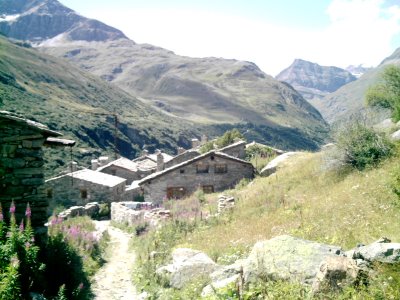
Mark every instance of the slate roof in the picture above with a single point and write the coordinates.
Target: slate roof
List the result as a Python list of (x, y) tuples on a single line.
[(190, 161), (123, 163), (29, 123), (239, 143), (94, 177)]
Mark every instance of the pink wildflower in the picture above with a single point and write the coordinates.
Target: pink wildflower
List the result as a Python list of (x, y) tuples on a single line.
[(28, 211), (21, 226), (12, 207), (1, 214)]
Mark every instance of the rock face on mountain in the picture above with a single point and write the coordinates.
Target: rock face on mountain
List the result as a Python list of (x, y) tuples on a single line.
[(350, 99), (313, 80), (207, 91), (38, 20), (358, 71)]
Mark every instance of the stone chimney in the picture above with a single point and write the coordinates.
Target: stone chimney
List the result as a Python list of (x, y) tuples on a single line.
[(160, 161), (95, 164), (204, 139), (73, 165), (145, 152), (195, 143), (180, 150)]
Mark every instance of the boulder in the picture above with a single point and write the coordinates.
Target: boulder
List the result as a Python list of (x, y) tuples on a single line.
[(187, 265), (336, 273), (382, 251), (287, 258), (396, 136), (224, 276), (274, 164), (92, 209)]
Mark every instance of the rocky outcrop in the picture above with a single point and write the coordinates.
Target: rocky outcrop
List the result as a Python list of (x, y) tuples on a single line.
[(313, 80), (274, 164), (91, 209), (225, 203), (396, 135), (381, 251), (187, 265), (335, 273), (287, 258)]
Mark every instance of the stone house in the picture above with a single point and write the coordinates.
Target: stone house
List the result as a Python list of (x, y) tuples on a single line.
[(124, 168), (182, 157), (21, 166), (84, 186), (237, 149), (212, 171)]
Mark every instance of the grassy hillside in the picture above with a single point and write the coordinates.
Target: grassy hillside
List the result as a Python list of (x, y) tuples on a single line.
[(304, 199), (81, 106), (203, 90), (350, 99)]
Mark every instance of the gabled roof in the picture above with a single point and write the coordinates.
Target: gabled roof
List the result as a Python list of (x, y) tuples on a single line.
[(123, 163), (190, 161), (28, 123), (94, 177)]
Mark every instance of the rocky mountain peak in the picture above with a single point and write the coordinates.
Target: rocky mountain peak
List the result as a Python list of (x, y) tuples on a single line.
[(313, 80), (40, 20)]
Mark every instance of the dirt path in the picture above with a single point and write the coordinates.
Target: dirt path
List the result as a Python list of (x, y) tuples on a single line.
[(113, 280)]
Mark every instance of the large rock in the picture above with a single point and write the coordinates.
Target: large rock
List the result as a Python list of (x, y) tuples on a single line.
[(224, 276), (396, 135), (382, 251), (287, 258), (187, 265), (274, 164), (336, 273)]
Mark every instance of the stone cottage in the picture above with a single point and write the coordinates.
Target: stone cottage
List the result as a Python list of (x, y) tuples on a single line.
[(21, 166), (84, 186), (237, 149), (212, 171), (124, 168)]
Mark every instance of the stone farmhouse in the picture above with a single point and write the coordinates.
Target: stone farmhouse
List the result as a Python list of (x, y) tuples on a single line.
[(237, 149), (125, 168), (21, 165), (213, 171), (84, 186)]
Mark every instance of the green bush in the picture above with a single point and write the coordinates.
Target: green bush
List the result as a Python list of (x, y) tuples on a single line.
[(361, 146)]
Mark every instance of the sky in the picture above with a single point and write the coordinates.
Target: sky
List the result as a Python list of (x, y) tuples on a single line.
[(270, 33)]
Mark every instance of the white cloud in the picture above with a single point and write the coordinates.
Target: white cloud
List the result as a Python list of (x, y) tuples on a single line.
[(360, 31)]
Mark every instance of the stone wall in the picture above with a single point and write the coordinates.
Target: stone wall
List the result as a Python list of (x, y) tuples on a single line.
[(130, 213), (187, 177), (69, 191), (21, 170), (238, 151)]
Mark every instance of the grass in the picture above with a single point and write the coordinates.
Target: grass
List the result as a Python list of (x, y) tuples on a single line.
[(303, 199)]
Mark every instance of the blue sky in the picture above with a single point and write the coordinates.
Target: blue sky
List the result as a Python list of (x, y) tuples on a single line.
[(270, 33)]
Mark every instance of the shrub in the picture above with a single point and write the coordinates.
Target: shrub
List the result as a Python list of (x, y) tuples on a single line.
[(20, 268), (361, 146)]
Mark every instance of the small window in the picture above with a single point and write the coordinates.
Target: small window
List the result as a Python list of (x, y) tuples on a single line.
[(176, 192), (208, 189), (202, 168), (84, 194), (221, 169), (49, 193), (182, 171), (212, 157)]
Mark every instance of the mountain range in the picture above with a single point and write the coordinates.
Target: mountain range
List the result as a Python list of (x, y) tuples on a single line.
[(314, 81), (210, 92)]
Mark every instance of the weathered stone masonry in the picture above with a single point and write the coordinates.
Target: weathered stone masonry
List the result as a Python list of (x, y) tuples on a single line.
[(21, 166)]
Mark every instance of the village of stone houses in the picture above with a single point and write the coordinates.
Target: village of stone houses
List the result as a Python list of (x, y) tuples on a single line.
[(131, 172)]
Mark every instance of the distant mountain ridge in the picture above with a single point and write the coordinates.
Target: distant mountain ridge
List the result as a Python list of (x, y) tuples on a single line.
[(38, 20), (313, 80), (350, 99), (207, 91)]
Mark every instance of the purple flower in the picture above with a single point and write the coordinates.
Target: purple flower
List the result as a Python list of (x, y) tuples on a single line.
[(81, 286), (28, 211), (27, 245), (12, 207), (21, 226), (1, 214)]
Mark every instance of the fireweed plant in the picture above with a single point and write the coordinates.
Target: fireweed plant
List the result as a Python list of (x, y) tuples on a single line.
[(20, 268)]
